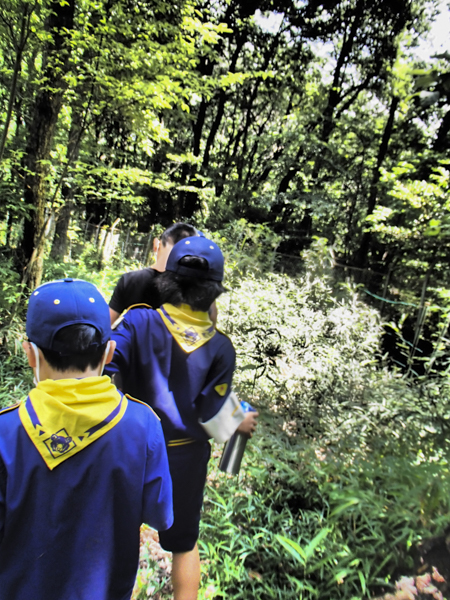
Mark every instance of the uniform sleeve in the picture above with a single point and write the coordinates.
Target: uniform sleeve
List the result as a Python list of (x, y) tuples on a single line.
[(124, 338), (157, 509), (220, 409), (135, 356), (118, 300), (2, 499)]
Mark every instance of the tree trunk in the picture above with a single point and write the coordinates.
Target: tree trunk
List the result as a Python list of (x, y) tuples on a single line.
[(60, 241), (42, 129), (19, 48), (361, 257), (441, 143), (221, 106)]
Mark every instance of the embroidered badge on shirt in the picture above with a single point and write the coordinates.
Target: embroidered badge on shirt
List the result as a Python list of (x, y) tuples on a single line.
[(221, 389), (59, 443)]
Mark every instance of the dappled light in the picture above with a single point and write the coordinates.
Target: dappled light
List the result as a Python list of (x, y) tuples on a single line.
[(310, 141)]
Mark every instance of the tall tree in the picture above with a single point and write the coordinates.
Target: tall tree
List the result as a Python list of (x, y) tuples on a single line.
[(16, 22), (365, 40), (46, 109)]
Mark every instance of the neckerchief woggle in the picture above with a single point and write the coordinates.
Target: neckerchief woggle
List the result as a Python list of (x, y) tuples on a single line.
[(62, 417), (191, 329)]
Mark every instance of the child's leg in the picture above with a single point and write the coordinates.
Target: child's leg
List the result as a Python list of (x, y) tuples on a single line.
[(186, 574), (188, 466)]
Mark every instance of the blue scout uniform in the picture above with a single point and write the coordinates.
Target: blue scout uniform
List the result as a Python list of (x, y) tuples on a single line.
[(81, 467), (175, 360)]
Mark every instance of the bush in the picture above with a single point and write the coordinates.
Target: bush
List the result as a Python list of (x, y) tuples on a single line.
[(350, 466)]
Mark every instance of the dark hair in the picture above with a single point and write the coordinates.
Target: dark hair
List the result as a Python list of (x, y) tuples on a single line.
[(198, 293), (79, 348), (177, 232)]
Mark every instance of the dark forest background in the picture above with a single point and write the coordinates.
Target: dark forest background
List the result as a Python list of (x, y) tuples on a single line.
[(312, 143), (311, 119)]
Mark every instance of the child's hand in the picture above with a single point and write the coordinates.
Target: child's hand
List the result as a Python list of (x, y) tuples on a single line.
[(249, 424)]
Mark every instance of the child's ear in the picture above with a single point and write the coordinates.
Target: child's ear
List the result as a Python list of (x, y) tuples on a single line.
[(110, 351), (156, 244), (30, 354)]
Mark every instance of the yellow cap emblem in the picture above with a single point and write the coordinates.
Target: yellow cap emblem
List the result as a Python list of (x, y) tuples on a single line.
[(221, 389)]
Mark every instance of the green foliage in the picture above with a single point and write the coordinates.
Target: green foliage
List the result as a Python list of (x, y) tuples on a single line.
[(350, 466), (15, 376), (248, 249), (87, 265), (423, 206), (307, 520), (11, 289)]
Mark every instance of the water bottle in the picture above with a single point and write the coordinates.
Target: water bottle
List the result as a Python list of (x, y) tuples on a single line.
[(234, 448)]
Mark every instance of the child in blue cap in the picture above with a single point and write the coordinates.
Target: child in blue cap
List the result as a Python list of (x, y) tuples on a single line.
[(81, 465), (174, 359)]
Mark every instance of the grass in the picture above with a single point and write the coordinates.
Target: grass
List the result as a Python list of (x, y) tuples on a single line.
[(349, 470)]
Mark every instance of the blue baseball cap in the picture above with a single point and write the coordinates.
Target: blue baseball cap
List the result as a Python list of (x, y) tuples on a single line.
[(57, 304), (199, 247)]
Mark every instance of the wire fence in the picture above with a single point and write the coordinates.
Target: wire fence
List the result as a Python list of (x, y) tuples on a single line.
[(381, 287), (123, 244)]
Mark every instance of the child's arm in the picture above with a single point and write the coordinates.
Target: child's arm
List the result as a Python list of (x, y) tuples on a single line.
[(157, 508), (221, 413), (228, 418), (124, 336), (2, 498)]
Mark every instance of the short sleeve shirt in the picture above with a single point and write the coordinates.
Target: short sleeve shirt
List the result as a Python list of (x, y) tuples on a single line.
[(136, 287), (183, 388), (73, 532)]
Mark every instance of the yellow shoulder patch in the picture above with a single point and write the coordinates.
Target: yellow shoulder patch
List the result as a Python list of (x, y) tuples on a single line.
[(221, 389)]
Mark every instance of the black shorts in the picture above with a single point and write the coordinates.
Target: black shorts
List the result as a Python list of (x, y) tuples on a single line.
[(188, 465)]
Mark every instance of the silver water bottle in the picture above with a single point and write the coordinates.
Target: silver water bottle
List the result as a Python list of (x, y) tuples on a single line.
[(234, 448)]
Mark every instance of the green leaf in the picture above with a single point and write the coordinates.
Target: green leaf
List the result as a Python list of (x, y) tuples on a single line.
[(294, 549), (316, 541), (340, 509)]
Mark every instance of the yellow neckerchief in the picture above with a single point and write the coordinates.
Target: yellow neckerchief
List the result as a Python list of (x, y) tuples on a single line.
[(191, 329), (64, 416)]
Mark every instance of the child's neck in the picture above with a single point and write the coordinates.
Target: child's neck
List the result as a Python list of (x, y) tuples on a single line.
[(46, 372)]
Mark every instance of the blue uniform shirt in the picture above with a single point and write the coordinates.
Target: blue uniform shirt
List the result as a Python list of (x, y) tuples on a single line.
[(185, 388), (72, 533)]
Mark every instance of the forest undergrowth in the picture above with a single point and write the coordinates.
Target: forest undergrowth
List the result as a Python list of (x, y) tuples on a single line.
[(344, 491)]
